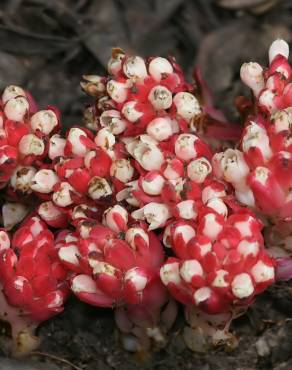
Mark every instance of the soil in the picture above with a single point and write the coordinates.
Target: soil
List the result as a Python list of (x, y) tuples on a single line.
[(46, 46)]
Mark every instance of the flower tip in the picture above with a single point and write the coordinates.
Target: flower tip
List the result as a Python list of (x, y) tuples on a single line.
[(279, 46)]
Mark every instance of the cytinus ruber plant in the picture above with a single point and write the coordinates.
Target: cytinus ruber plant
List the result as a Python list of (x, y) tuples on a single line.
[(261, 169), (108, 196), (116, 264), (33, 283)]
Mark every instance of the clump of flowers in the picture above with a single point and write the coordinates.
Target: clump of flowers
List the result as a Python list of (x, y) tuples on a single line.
[(141, 176), (33, 282), (116, 264), (261, 169)]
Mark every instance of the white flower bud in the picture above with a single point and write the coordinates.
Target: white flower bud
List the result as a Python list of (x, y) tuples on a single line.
[(185, 147), (156, 214), (44, 181), (44, 120), (122, 170), (114, 65), (279, 46), (187, 232), (105, 139), (266, 99), (16, 108), (256, 137), (137, 278), (78, 148), (187, 209), (22, 177), (262, 272), (189, 269), (212, 227), (160, 128), (246, 248), (218, 205), (202, 295), (252, 75), (187, 105), (56, 146), (219, 281), (199, 169), (110, 218), (132, 233), (12, 92), (282, 120), (169, 273), (130, 112), (117, 91), (98, 188), (62, 197), (210, 192), (4, 241), (48, 211), (13, 213), (31, 145), (112, 120), (158, 67), (135, 67), (242, 286), (152, 183), (160, 97), (232, 166)]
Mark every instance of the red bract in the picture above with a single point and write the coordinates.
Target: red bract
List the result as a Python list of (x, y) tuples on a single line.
[(116, 264), (32, 278), (261, 172)]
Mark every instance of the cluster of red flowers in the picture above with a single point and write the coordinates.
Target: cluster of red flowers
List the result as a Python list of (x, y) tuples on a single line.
[(108, 198)]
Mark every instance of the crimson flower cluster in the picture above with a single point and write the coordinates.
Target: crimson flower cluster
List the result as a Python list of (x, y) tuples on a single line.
[(134, 211)]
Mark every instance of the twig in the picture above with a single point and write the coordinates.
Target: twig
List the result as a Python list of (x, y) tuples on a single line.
[(56, 358)]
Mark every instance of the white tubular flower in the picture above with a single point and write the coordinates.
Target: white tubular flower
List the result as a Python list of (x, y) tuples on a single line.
[(218, 205), (98, 188), (44, 120), (158, 67), (118, 91), (187, 209), (114, 65), (132, 233), (152, 183), (242, 286), (135, 67), (252, 75), (13, 213), (185, 147), (257, 137), (31, 145), (186, 231), (112, 120), (22, 178), (145, 150), (115, 218), (231, 166), (187, 105), (56, 146), (16, 108), (266, 99), (169, 273), (105, 139), (282, 120), (156, 214), (78, 148), (199, 169), (12, 92), (122, 170), (160, 97), (279, 46), (160, 128), (130, 112), (62, 197), (44, 181), (189, 269)]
